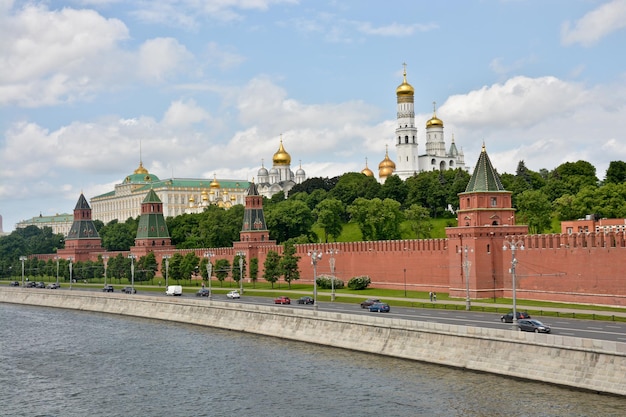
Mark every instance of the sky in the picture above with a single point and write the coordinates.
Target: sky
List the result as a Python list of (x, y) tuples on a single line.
[(193, 89)]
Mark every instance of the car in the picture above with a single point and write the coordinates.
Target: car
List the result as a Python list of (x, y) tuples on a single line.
[(53, 286), (531, 325), (108, 288), (369, 302), (14, 284), (508, 317), (40, 284), (306, 300), (380, 307), (30, 284), (282, 300), (203, 292), (129, 290), (233, 294)]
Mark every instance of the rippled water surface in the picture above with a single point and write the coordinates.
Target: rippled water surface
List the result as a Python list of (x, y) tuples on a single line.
[(57, 362)]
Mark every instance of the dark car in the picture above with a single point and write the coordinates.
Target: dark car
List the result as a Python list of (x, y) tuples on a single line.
[(108, 288), (30, 284), (53, 286), (282, 300), (527, 325), (306, 300), (380, 307), (203, 292), (508, 317), (14, 284), (369, 302), (40, 284), (129, 290)]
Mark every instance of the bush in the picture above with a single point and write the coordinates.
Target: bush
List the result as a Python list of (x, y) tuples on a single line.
[(359, 283), (325, 282)]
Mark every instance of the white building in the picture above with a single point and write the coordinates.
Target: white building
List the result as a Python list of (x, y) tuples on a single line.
[(280, 177)]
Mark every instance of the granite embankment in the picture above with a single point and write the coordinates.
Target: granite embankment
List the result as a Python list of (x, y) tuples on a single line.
[(580, 363)]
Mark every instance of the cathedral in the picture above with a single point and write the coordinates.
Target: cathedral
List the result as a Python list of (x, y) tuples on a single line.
[(280, 177), (409, 160)]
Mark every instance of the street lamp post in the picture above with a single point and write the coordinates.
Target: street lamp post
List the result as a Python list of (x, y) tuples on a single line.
[(209, 270), (105, 258), (332, 253), (132, 257), (57, 258), (70, 259), (466, 267), (513, 245), (241, 256), (405, 282), (167, 268), (23, 258), (315, 256)]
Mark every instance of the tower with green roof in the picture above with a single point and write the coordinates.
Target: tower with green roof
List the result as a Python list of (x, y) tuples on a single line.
[(152, 233), (485, 218), (83, 238)]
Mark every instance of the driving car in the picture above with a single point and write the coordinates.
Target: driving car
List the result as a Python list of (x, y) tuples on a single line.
[(233, 294), (282, 300), (203, 292), (306, 300), (53, 286), (14, 284), (380, 307), (369, 302), (108, 288), (30, 284), (508, 317), (528, 325), (40, 284), (129, 290)]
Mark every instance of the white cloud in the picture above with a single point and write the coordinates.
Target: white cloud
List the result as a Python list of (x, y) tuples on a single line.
[(595, 25), (184, 113), (394, 29), (161, 57)]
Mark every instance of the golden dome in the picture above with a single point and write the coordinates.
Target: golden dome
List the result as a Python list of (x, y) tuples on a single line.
[(214, 183), (205, 195), (140, 169), (434, 121), (386, 166), (281, 157), (366, 170), (405, 89), (191, 199)]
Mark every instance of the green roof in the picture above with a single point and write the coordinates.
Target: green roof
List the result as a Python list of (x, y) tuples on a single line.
[(485, 178)]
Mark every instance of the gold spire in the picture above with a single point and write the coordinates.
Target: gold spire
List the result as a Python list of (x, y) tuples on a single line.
[(141, 169), (281, 157), (214, 183), (386, 166), (434, 121), (405, 89), (366, 170)]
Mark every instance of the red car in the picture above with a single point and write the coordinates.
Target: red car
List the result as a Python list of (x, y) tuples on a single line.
[(282, 300)]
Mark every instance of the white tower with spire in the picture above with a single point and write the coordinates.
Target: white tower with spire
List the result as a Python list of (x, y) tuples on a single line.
[(407, 163)]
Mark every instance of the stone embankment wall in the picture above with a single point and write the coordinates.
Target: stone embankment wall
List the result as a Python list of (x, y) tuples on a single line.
[(580, 363)]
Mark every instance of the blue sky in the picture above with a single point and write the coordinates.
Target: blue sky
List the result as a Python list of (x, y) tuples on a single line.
[(208, 87)]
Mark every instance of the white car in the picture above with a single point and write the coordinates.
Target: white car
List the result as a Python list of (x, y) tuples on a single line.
[(233, 294)]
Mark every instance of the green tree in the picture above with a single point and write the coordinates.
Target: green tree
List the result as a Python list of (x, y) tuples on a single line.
[(288, 264), (271, 267), (378, 219), (616, 173), (119, 236), (290, 218), (535, 210), (254, 271), (146, 268), (428, 189), (353, 185), (176, 270), (329, 214), (419, 220), (395, 189), (222, 267), (238, 273)]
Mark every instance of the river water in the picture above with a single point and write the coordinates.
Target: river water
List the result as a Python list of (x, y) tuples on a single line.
[(66, 363)]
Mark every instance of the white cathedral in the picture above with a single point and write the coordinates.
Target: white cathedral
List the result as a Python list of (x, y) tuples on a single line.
[(409, 160), (280, 177)]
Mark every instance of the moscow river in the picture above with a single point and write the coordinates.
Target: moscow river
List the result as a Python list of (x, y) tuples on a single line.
[(65, 363)]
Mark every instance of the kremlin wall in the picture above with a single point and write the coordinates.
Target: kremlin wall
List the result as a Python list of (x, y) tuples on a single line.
[(477, 257)]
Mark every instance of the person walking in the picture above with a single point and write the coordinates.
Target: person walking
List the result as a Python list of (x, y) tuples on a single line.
[(430, 294), (434, 297)]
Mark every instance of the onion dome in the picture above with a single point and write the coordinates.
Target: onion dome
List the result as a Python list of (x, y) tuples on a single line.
[(191, 199), (405, 89), (140, 169), (366, 170), (281, 157), (205, 195), (262, 171), (386, 166), (300, 171), (214, 183), (434, 121)]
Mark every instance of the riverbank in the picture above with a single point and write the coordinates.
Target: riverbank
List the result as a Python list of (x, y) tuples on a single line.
[(587, 364)]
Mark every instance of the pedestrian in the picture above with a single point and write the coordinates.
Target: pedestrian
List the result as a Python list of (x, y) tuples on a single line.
[(435, 297), (430, 294)]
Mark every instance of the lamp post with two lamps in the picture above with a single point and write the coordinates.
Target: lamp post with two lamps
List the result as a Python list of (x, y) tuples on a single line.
[(23, 258), (241, 256), (71, 260), (466, 267), (105, 260), (166, 258), (332, 253), (132, 257), (315, 255), (209, 270), (513, 244), (57, 259)]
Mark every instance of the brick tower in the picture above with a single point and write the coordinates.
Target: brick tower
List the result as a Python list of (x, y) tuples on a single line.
[(254, 232), (83, 237), (152, 233), (485, 217)]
